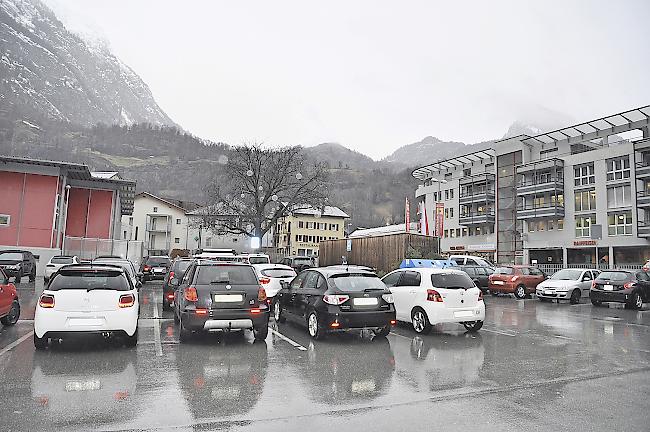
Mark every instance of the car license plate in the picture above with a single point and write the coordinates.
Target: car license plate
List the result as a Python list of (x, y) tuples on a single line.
[(549, 292), (608, 288), (365, 301), (228, 298), (83, 385), (463, 314), (159, 270), (498, 282), (81, 322)]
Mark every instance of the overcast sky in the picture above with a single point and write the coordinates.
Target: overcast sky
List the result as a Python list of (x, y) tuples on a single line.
[(375, 75)]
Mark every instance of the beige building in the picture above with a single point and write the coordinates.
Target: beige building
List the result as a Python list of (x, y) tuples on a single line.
[(300, 232)]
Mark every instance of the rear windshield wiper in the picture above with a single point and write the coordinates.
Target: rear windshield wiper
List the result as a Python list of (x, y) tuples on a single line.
[(97, 288), (456, 287), (373, 289), (220, 282)]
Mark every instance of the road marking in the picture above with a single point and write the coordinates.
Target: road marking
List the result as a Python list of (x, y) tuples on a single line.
[(25, 320), (562, 337), (286, 339), (402, 336), (499, 332), (156, 331), (15, 344)]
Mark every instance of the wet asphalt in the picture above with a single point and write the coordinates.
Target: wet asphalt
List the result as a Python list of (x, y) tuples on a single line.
[(534, 366)]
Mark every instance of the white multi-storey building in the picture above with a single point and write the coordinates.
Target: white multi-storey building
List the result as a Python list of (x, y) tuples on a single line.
[(544, 199)]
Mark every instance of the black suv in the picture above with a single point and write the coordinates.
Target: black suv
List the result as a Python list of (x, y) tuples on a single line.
[(154, 267), (18, 263), (298, 263), (480, 275), (336, 298), (176, 271), (220, 296), (621, 286)]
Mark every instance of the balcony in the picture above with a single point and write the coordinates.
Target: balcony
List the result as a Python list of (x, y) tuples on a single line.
[(552, 164), (642, 170), (159, 227), (537, 186), (550, 210), (643, 229), (480, 196), (477, 218), (477, 178), (643, 199)]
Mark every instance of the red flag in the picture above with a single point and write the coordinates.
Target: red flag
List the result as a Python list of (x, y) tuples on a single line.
[(407, 216)]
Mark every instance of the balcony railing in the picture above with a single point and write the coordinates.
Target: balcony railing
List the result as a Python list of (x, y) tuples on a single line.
[(534, 211), (549, 164), (643, 229), (484, 195), (528, 187), (159, 227), (477, 178), (476, 218), (642, 169), (643, 199)]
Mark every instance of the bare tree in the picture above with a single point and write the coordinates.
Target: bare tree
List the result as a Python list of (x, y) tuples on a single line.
[(259, 186)]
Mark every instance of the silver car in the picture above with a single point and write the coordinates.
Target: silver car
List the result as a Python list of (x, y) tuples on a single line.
[(567, 284)]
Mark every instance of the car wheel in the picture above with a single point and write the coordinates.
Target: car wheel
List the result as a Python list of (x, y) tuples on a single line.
[(420, 321), (382, 332), (12, 317), (636, 302), (166, 306), (494, 293), (17, 278), (40, 343), (132, 341), (176, 319), (185, 334), (260, 333), (596, 302), (314, 329), (520, 292), (575, 296), (277, 312), (32, 276), (473, 326)]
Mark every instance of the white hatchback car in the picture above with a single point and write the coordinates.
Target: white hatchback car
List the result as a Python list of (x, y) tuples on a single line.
[(56, 262), (87, 299), (428, 296), (271, 276)]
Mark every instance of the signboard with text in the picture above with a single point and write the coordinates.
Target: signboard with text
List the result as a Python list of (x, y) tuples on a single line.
[(440, 218)]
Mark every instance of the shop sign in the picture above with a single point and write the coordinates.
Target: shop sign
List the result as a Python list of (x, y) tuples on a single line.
[(482, 247), (585, 242), (440, 218), (456, 248)]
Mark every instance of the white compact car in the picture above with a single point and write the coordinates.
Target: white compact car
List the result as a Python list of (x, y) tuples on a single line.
[(567, 284), (271, 276), (254, 259), (56, 262), (91, 299), (428, 296)]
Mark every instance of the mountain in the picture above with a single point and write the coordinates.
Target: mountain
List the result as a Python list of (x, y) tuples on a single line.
[(338, 156), (47, 71), (429, 150)]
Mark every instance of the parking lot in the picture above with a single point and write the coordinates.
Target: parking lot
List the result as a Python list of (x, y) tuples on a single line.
[(533, 366)]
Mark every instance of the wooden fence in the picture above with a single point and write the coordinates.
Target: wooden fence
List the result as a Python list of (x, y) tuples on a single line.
[(383, 253)]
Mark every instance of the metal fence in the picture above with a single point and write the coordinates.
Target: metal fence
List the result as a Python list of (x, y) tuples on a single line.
[(549, 269), (91, 248)]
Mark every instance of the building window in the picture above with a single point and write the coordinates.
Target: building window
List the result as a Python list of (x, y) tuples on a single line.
[(131, 221), (208, 242), (584, 175), (448, 175), (446, 213), (583, 225), (545, 153), (155, 209), (451, 194), (5, 220), (618, 168), (301, 224), (619, 223), (447, 194), (467, 172), (619, 196), (177, 240), (560, 224), (585, 200), (451, 212), (178, 221), (124, 235)]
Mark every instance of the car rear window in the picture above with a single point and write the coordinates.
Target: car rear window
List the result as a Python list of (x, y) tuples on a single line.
[(302, 261), (357, 282), (504, 270), (279, 273), (11, 256), (258, 260), (219, 274), (158, 262), (89, 280), (451, 281), (614, 276), (181, 266), (61, 260)]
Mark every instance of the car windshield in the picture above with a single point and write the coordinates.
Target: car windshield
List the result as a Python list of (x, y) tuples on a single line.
[(451, 281), (225, 274), (357, 282), (614, 276), (279, 273), (162, 261), (504, 270), (180, 266), (89, 281), (483, 262), (61, 260), (259, 260), (11, 256), (567, 274)]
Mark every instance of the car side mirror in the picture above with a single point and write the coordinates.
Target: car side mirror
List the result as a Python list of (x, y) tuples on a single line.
[(174, 282), (36, 257), (138, 284), (284, 284)]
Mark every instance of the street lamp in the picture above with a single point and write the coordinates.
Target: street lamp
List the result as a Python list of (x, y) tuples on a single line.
[(65, 218)]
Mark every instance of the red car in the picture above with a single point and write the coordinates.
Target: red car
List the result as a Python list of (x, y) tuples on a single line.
[(9, 306), (519, 280)]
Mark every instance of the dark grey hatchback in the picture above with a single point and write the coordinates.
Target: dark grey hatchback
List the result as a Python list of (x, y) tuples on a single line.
[(337, 298), (220, 296)]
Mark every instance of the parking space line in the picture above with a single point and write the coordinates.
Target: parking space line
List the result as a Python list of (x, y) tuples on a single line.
[(15, 344), (402, 336), (498, 332), (289, 341), (156, 331)]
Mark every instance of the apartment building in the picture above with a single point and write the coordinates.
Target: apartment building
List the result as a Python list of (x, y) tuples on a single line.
[(577, 195), (302, 229)]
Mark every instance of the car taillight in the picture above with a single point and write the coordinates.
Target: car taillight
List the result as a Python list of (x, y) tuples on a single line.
[(480, 296), (629, 285), (514, 278), (46, 301), (393, 322), (170, 296), (593, 284), (201, 311), (191, 295), (261, 295), (335, 299), (256, 310), (265, 280), (171, 276), (434, 296), (146, 268), (388, 298), (126, 300)]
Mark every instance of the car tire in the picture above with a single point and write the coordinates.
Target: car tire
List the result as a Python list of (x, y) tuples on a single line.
[(420, 321), (40, 343), (277, 312), (176, 319), (636, 301), (382, 332), (184, 334), (132, 341), (17, 278), (260, 333), (12, 317), (313, 328), (473, 326), (520, 292), (166, 306), (32, 276), (494, 293), (596, 302), (575, 296)]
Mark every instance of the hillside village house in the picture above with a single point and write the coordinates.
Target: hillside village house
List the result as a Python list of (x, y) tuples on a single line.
[(47, 203), (301, 230)]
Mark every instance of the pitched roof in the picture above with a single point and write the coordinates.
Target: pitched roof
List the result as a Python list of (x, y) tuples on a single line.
[(327, 211), (186, 206)]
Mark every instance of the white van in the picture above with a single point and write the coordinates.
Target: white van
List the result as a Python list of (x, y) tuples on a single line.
[(470, 260)]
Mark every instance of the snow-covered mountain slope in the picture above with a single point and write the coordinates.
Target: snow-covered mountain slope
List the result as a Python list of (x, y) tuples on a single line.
[(48, 71)]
